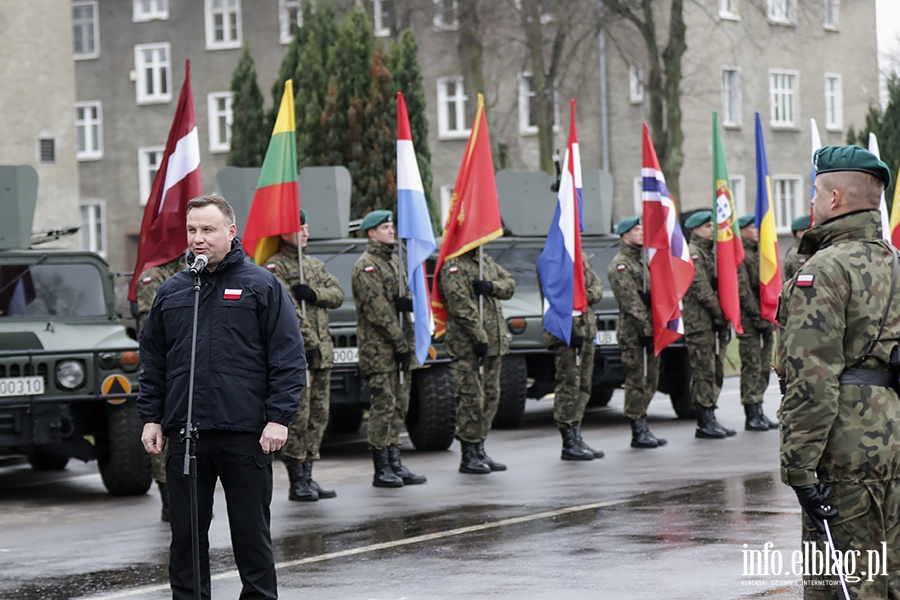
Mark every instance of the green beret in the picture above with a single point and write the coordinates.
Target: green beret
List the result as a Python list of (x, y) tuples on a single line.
[(828, 159), (701, 217), (302, 217), (746, 220), (800, 224), (376, 218), (627, 224)]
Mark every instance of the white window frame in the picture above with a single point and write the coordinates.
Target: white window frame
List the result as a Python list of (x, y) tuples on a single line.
[(230, 16), (782, 12), (832, 15), (834, 102), (161, 67), (92, 215), (382, 29), (285, 35), (459, 100), (439, 7), (730, 10), (637, 185), (635, 84), (788, 208), (85, 125), (446, 199), (145, 182), (158, 11), (526, 93), (739, 193), (219, 141), (93, 24), (784, 102), (732, 105)]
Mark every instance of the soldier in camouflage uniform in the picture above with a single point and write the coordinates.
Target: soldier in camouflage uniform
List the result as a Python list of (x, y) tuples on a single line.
[(635, 330), (840, 443), (319, 291), (757, 341), (792, 259), (706, 332), (475, 344), (385, 348), (148, 284)]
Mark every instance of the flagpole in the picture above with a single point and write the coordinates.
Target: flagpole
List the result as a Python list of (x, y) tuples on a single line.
[(650, 308), (300, 260), (400, 290), (481, 300)]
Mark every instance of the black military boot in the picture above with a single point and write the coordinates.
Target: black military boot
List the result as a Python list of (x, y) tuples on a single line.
[(571, 449), (384, 475), (492, 464), (322, 493), (707, 427), (755, 420), (300, 490), (640, 434), (164, 496), (772, 424), (470, 462), (583, 444), (659, 441), (728, 432), (408, 477)]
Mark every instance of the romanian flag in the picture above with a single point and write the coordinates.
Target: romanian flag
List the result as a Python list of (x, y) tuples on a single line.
[(728, 248), (474, 217), (769, 265), (276, 203)]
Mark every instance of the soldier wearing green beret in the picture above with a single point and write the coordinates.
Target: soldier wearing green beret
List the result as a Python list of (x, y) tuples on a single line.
[(839, 323), (757, 341), (706, 332), (312, 298), (793, 260), (385, 348), (634, 330)]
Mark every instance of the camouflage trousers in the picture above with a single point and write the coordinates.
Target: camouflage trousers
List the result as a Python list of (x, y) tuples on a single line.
[(388, 407), (639, 389), (477, 397), (158, 463), (707, 368), (756, 364), (866, 528), (306, 431), (573, 382)]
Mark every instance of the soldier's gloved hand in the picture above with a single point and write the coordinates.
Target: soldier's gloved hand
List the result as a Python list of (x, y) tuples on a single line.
[(402, 359), (765, 326), (645, 298), (311, 355), (724, 336), (481, 350), (403, 304), (482, 287), (304, 293), (576, 341), (813, 500), (646, 341)]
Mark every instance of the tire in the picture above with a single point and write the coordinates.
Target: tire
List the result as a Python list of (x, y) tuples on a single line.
[(124, 464), (42, 460), (345, 418), (600, 396), (431, 420), (675, 380), (513, 392)]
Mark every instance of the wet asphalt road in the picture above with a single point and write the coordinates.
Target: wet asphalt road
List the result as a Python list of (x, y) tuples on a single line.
[(665, 523)]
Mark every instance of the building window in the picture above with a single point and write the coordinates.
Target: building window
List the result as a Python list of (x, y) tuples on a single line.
[(290, 19), (85, 29), (383, 17), (446, 15), (446, 199), (729, 10), (89, 130), (788, 198), (783, 98), (223, 24), (219, 105), (451, 108), (149, 160), (93, 227), (635, 84), (153, 68), (150, 10), (47, 150), (834, 102), (528, 107), (738, 194), (731, 97), (832, 14), (783, 11)]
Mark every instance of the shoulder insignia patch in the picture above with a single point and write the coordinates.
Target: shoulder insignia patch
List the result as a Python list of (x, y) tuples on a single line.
[(146, 280), (620, 267), (805, 279), (454, 269), (369, 269), (695, 256), (270, 266), (802, 261), (232, 294)]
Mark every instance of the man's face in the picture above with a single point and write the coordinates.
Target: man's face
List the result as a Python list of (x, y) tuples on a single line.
[(822, 201), (383, 234), (304, 235), (635, 236), (704, 231), (208, 234), (750, 232)]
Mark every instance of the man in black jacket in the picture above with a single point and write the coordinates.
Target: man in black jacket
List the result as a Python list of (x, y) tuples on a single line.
[(249, 373)]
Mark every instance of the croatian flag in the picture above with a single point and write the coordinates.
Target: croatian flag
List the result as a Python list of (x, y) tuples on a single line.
[(559, 266), (671, 268), (414, 226)]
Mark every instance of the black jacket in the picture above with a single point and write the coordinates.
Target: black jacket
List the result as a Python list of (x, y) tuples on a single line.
[(250, 362)]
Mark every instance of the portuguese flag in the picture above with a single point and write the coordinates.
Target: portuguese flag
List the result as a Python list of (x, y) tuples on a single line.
[(729, 249), (276, 203)]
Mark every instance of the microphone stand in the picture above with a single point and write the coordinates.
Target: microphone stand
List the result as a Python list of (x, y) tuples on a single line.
[(189, 437)]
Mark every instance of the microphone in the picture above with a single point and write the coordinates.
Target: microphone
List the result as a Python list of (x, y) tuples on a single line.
[(200, 263)]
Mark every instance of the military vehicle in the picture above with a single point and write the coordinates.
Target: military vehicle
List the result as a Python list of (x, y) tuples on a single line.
[(68, 371)]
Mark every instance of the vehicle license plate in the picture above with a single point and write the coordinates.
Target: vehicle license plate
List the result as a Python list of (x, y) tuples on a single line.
[(606, 338), (346, 356), (21, 386)]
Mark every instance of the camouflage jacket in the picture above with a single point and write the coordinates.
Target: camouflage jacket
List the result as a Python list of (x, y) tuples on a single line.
[(701, 303), (748, 288), (583, 325), (626, 278), (283, 264), (150, 281), (378, 331), (464, 328), (792, 262), (828, 317)]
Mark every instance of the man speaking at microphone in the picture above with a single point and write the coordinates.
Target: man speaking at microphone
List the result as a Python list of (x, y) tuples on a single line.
[(249, 373)]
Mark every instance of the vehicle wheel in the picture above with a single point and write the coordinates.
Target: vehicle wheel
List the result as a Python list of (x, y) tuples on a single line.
[(431, 420), (345, 418), (675, 380), (124, 464), (42, 460), (513, 391), (600, 395)]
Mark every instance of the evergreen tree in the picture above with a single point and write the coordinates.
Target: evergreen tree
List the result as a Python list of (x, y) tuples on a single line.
[(377, 155), (248, 126), (886, 126)]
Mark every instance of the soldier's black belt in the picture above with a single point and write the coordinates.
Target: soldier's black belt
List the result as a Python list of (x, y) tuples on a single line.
[(868, 377)]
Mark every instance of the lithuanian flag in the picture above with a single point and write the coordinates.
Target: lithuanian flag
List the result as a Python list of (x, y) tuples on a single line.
[(276, 203)]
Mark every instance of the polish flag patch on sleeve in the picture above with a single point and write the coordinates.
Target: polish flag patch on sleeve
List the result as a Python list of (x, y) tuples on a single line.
[(620, 267), (805, 279), (146, 280), (454, 269), (270, 266), (369, 269), (231, 294)]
